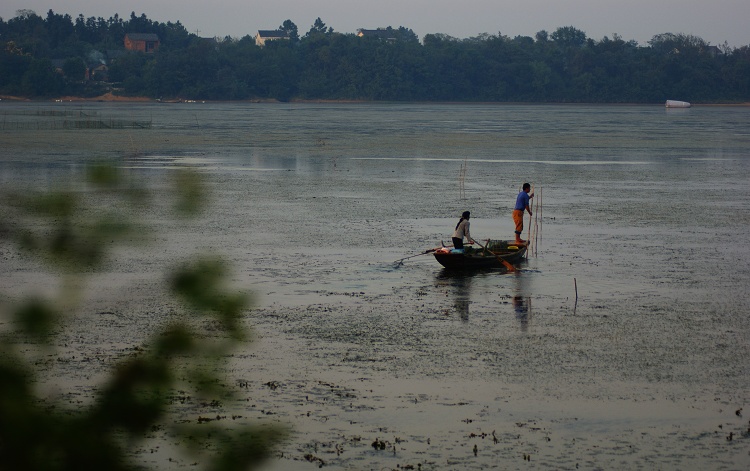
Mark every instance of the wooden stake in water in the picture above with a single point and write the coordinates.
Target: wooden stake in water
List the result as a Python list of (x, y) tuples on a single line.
[(536, 225), (541, 215), (462, 179), (537, 222), (531, 227)]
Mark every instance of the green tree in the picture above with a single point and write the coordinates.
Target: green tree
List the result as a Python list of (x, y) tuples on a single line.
[(318, 28), (568, 36), (75, 69), (13, 66), (140, 24), (73, 232), (737, 72), (291, 30), (41, 80), (670, 43), (60, 29), (564, 66)]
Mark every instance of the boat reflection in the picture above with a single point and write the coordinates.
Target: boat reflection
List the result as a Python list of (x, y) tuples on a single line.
[(460, 286)]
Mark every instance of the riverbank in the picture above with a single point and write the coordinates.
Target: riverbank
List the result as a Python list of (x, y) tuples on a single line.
[(106, 97), (110, 97)]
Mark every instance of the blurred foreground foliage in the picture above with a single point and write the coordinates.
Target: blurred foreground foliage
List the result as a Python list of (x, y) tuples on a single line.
[(72, 231)]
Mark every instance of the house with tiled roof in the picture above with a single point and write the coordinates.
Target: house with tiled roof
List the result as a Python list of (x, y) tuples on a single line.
[(269, 35), (386, 34), (143, 42)]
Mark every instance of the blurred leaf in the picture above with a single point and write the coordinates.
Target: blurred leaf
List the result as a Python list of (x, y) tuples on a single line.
[(200, 284), (36, 319), (75, 249), (136, 395), (74, 232), (104, 175), (15, 389), (58, 204), (246, 449), (190, 191), (174, 340)]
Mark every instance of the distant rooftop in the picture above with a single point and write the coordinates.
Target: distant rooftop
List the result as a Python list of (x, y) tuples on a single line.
[(142, 36)]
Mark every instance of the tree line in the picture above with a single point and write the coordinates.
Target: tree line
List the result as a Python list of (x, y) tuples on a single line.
[(47, 57)]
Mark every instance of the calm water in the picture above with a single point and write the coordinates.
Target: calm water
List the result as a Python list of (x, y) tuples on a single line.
[(645, 211), (637, 196)]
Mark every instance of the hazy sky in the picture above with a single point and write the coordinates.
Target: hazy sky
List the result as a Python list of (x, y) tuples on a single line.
[(715, 21)]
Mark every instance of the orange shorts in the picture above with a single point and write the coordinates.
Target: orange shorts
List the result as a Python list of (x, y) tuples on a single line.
[(518, 219)]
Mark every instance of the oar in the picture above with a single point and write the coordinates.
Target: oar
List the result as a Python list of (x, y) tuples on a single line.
[(507, 264), (401, 260)]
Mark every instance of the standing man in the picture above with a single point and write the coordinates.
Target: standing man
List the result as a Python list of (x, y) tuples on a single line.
[(522, 204)]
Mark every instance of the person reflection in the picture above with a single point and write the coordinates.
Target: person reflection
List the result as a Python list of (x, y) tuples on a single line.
[(460, 286), (522, 301), (522, 311), (461, 304)]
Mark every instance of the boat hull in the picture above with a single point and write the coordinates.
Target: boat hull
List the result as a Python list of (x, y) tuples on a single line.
[(677, 104), (478, 260)]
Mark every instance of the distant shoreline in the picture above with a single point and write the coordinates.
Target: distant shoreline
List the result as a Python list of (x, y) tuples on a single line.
[(110, 97)]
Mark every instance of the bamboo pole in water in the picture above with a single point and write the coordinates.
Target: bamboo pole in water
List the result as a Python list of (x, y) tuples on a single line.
[(529, 245), (541, 212), (537, 221), (462, 178)]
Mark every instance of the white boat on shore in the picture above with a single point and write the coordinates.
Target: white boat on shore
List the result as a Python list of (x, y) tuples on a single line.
[(677, 104)]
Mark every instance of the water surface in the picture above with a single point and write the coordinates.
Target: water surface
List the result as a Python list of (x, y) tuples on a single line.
[(645, 211)]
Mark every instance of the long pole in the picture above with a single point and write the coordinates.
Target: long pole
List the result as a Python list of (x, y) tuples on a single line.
[(541, 214), (401, 260), (500, 259), (537, 221), (532, 207)]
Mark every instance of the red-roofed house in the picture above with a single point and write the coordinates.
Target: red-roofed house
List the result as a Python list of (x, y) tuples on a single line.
[(144, 42)]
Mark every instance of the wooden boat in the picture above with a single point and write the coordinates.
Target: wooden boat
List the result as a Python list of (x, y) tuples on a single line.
[(491, 255)]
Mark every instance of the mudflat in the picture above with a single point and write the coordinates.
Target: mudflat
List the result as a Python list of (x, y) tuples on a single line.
[(621, 343)]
